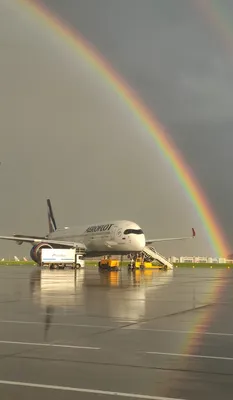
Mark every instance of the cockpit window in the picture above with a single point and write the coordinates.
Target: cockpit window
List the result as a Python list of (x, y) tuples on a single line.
[(134, 231)]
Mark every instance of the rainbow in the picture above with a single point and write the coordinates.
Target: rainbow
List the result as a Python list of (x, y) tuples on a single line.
[(218, 17), (162, 140), (204, 316)]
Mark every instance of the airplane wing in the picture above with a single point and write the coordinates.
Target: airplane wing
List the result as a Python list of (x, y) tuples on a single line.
[(177, 238), (35, 240)]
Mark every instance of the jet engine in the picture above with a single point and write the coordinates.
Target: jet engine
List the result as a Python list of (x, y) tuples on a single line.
[(35, 252)]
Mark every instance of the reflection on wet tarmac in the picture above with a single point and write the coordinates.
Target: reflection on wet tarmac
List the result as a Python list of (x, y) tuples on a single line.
[(48, 320), (91, 289)]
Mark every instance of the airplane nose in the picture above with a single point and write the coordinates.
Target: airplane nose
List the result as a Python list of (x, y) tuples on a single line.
[(141, 241)]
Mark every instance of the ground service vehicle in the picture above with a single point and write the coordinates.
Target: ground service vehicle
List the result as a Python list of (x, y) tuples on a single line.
[(109, 264), (61, 258), (140, 263)]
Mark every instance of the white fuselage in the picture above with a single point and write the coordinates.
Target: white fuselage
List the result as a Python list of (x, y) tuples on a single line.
[(106, 238)]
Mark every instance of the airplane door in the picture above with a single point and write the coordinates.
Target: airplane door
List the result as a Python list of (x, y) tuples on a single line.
[(119, 233), (113, 233)]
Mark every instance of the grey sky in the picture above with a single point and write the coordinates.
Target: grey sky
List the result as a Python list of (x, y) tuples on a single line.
[(67, 136)]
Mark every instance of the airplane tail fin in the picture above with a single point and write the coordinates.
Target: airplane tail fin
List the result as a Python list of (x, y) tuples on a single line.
[(51, 219)]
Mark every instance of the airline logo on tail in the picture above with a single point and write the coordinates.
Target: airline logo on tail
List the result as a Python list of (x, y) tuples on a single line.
[(51, 219)]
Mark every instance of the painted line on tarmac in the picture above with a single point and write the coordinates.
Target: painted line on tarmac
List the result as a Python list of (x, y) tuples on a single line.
[(3, 321), (90, 391), (178, 331), (49, 345), (132, 328), (158, 353)]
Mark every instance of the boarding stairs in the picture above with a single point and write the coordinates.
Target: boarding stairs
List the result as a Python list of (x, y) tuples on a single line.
[(152, 255)]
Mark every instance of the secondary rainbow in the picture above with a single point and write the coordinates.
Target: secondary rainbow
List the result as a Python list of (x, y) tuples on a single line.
[(220, 19), (141, 112)]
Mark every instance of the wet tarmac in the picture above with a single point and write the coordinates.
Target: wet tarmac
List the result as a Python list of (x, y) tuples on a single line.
[(91, 334)]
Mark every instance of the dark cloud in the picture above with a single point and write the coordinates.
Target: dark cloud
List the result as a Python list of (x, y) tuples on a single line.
[(174, 55)]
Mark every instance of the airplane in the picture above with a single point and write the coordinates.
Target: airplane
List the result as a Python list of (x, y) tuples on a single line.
[(120, 237)]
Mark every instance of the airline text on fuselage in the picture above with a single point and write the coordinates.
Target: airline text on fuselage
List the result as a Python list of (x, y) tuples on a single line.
[(99, 228)]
